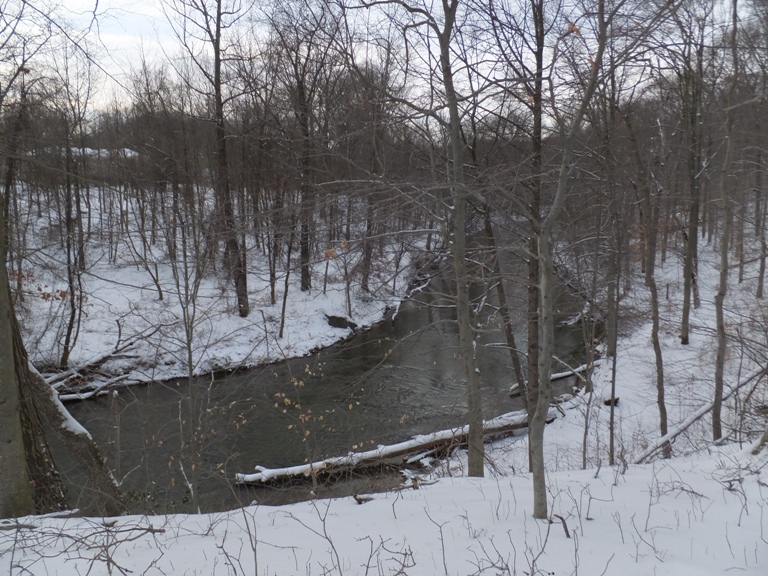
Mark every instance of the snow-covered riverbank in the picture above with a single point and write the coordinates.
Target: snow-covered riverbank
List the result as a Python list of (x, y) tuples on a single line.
[(127, 334)]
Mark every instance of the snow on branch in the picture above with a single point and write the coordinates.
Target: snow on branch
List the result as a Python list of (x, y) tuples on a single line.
[(406, 452)]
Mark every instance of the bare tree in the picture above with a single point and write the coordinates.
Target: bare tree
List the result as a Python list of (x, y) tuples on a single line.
[(726, 178), (25, 398), (432, 31), (16, 495), (585, 32), (201, 26), (16, 491), (646, 184), (303, 34), (692, 21), (74, 75)]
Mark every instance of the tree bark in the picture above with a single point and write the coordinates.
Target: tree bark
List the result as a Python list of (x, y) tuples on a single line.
[(49, 490), (660, 389), (692, 80), (43, 401), (476, 464), (234, 258), (498, 279), (70, 334), (16, 493), (546, 275), (725, 236), (307, 193), (650, 214)]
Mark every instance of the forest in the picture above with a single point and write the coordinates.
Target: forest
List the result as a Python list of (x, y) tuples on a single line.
[(586, 139)]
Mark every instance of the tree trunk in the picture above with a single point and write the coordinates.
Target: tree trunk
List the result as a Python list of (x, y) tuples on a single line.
[(498, 279), (761, 273), (16, 492), (234, 259), (546, 276), (725, 236), (42, 400), (534, 207), (365, 264), (70, 334), (50, 492), (307, 193), (692, 115), (651, 214), (660, 389), (476, 464), (544, 396), (614, 268), (107, 493)]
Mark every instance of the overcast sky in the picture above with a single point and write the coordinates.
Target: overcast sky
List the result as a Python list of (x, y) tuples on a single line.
[(123, 30)]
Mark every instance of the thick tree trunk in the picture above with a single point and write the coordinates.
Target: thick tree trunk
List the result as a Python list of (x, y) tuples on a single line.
[(537, 145), (24, 455), (50, 492), (544, 396), (43, 401), (16, 492)]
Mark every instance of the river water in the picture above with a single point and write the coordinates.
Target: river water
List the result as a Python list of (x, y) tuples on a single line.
[(402, 377)]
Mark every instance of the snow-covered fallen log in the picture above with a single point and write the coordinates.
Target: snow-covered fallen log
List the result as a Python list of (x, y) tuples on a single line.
[(515, 390), (401, 453), (578, 370), (659, 443)]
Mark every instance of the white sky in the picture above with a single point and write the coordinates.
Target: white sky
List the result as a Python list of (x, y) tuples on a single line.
[(123, 31)]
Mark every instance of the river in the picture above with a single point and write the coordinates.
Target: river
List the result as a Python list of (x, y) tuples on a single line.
[(399, 378)]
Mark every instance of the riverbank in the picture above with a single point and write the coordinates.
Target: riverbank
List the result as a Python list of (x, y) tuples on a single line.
[(129, 334)]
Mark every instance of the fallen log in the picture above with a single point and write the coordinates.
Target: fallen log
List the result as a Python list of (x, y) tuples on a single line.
[(574, 371), (695, 417), (556, 377), (401, 454)]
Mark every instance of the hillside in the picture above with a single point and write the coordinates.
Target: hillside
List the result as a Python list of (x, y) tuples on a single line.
[(700, 512)]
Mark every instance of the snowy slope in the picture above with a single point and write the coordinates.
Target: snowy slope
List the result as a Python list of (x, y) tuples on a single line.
[(703, 512)]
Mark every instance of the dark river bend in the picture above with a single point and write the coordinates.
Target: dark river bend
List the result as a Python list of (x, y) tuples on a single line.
[(383, 385)]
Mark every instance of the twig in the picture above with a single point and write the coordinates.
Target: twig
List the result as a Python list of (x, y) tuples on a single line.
[(565, 524)]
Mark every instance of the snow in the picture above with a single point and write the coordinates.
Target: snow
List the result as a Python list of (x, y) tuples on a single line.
[(705, 511), (134, 336), (683, 517)]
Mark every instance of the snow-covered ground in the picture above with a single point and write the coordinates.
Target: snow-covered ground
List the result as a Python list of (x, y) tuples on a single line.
[(705, 511), (686, 517), (128, 334)]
